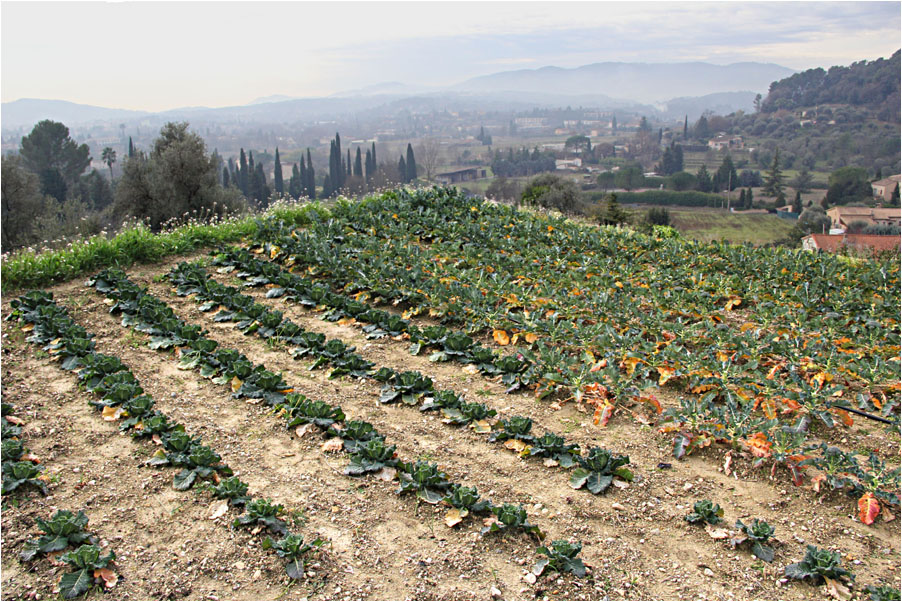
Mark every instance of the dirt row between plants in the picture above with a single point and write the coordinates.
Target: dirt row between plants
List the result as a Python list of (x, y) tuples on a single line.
[(384, 546)]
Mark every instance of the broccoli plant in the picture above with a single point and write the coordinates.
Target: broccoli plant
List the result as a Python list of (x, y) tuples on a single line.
[(372, 456), (555, 447), (757, 534), (292, 548), (64, 529), (704, 511), (468, 413), (355, 434), (301, 410), (517, 427), (883, 592), (409, 387), (232, 489), (598, 469), (561, 557), (86, 563), (442, 399), (17, 474), (430, 483), (510, 517), (263, 512), (819, 565), (12, 450)]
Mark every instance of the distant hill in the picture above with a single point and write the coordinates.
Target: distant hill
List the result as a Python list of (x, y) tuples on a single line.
[(639, 82), (720, 103), (26, 112), (870, 84)]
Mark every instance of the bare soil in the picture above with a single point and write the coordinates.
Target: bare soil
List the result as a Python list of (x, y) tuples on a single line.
[(381, 545)]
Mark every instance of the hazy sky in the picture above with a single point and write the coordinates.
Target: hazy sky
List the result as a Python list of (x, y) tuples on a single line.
[(162, 55)]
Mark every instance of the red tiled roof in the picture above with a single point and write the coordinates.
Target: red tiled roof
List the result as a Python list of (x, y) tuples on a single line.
[(834, 242)]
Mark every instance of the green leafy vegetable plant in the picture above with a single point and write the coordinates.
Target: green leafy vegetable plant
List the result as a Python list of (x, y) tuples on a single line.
[(292, 548), (84, 561), (263, 512), (757, 534), (372, 456), (64, 529), (704, 511), (509, 517), (561, 557), (598, 469), (429, 483), (817, 565)]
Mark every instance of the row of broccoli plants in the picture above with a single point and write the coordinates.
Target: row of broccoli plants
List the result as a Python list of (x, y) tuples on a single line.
[(369, 452), (120, 397), (515, 371), (19, 467), (757, 380), (818, 566), (595, 471), (65, 529)]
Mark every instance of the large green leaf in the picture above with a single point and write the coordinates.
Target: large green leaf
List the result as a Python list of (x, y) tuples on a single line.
[(72, 585)]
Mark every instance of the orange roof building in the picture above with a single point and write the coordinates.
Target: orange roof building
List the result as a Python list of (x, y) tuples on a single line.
[(833, 243)]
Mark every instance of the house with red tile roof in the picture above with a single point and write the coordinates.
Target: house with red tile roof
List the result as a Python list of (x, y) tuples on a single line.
[(860, 243)]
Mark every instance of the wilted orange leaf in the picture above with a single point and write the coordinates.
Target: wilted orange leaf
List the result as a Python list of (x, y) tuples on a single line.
[(732, 302), (454, 516), (333, 445), (868, 508), (109, 577), (501, 337), (746, 327), (515, 445), (603, 415), (769, 407), (666, 373), (630, 364), (236, 383), (758, 445), (111, 414), (844, 416), (531, 338)]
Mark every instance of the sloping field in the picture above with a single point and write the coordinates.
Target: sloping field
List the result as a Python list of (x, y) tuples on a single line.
[(463, 334)]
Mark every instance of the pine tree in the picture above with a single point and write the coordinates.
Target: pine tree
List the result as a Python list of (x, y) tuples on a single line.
[(358, 164), (277, 175), (242, 173), (411, 164), (131, 148), (402, 170)]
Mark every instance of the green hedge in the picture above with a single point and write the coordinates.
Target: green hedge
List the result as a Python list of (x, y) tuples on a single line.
[(134, 244), (689, 198)]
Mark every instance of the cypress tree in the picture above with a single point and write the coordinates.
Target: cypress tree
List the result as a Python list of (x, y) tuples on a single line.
[(327, 185), (411, 164), (369, 166), (263, 192), (358, 164), (225, 177), (748, 198), (311, 179), (402, 170), (741, 202), (294, 184), (242, 173), (338, 180), (348, 164), (797, 203), (131, 148), (686, 128), (303, 182), (277, 181), (374, 157), (613, 123)]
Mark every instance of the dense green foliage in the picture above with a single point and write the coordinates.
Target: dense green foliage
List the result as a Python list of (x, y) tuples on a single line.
[(872, 84)]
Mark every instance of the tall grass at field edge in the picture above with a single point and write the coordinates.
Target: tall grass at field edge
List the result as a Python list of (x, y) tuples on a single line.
[(135, 244)]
